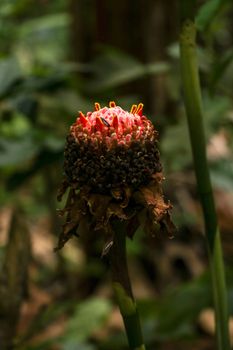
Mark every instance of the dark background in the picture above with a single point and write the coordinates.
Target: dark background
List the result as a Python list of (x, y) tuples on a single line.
[(59, 57)]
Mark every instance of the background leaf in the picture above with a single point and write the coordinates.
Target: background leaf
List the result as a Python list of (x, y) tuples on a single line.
[(9, 74), (209, 11), (87, 318)]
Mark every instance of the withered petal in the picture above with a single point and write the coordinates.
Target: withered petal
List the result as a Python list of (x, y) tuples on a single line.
[(151, 197), (126, 198), (115, 209), (98, 204), (62, 189), (167, 225)]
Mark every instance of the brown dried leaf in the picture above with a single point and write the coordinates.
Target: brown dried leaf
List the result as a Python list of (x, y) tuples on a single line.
[(74, 208), (62, 239), (115, 209), (126, 198), (62, 189), (98, 205), (151, 227), (169, 226), (69, 226), (153, 199)]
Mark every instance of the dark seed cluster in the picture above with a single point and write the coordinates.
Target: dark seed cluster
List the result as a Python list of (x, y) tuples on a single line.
[(104, 169)]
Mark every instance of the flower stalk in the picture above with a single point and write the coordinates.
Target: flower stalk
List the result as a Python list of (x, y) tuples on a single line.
[(122, 288), (193, 104)]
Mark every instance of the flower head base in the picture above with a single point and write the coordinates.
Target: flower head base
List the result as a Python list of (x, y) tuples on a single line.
[(113, 169)]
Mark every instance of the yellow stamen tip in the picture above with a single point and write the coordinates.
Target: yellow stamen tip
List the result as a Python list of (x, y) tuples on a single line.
[(97, 106), (139, 108), (112, 104), (133, 109)]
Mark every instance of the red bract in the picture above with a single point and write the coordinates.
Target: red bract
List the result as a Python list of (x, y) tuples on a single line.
[(113, 170)]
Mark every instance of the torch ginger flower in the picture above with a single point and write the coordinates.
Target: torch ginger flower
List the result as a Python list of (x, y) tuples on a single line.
[(113, 171)]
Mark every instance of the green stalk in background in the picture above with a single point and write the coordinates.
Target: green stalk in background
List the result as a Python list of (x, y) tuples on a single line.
[(193, 104), (122, 288)]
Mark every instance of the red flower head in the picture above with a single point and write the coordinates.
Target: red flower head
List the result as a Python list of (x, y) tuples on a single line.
[(113, 169)]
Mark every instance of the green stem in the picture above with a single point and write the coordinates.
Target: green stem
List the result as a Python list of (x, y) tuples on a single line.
[(193, 104), (122, 288)]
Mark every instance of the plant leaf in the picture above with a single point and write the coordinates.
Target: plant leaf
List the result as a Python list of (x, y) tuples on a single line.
[(208, 12), (89, 316), (9, 74)]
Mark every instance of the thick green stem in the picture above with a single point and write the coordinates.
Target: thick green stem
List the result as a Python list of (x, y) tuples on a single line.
[(122, 288), (193, 104)]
